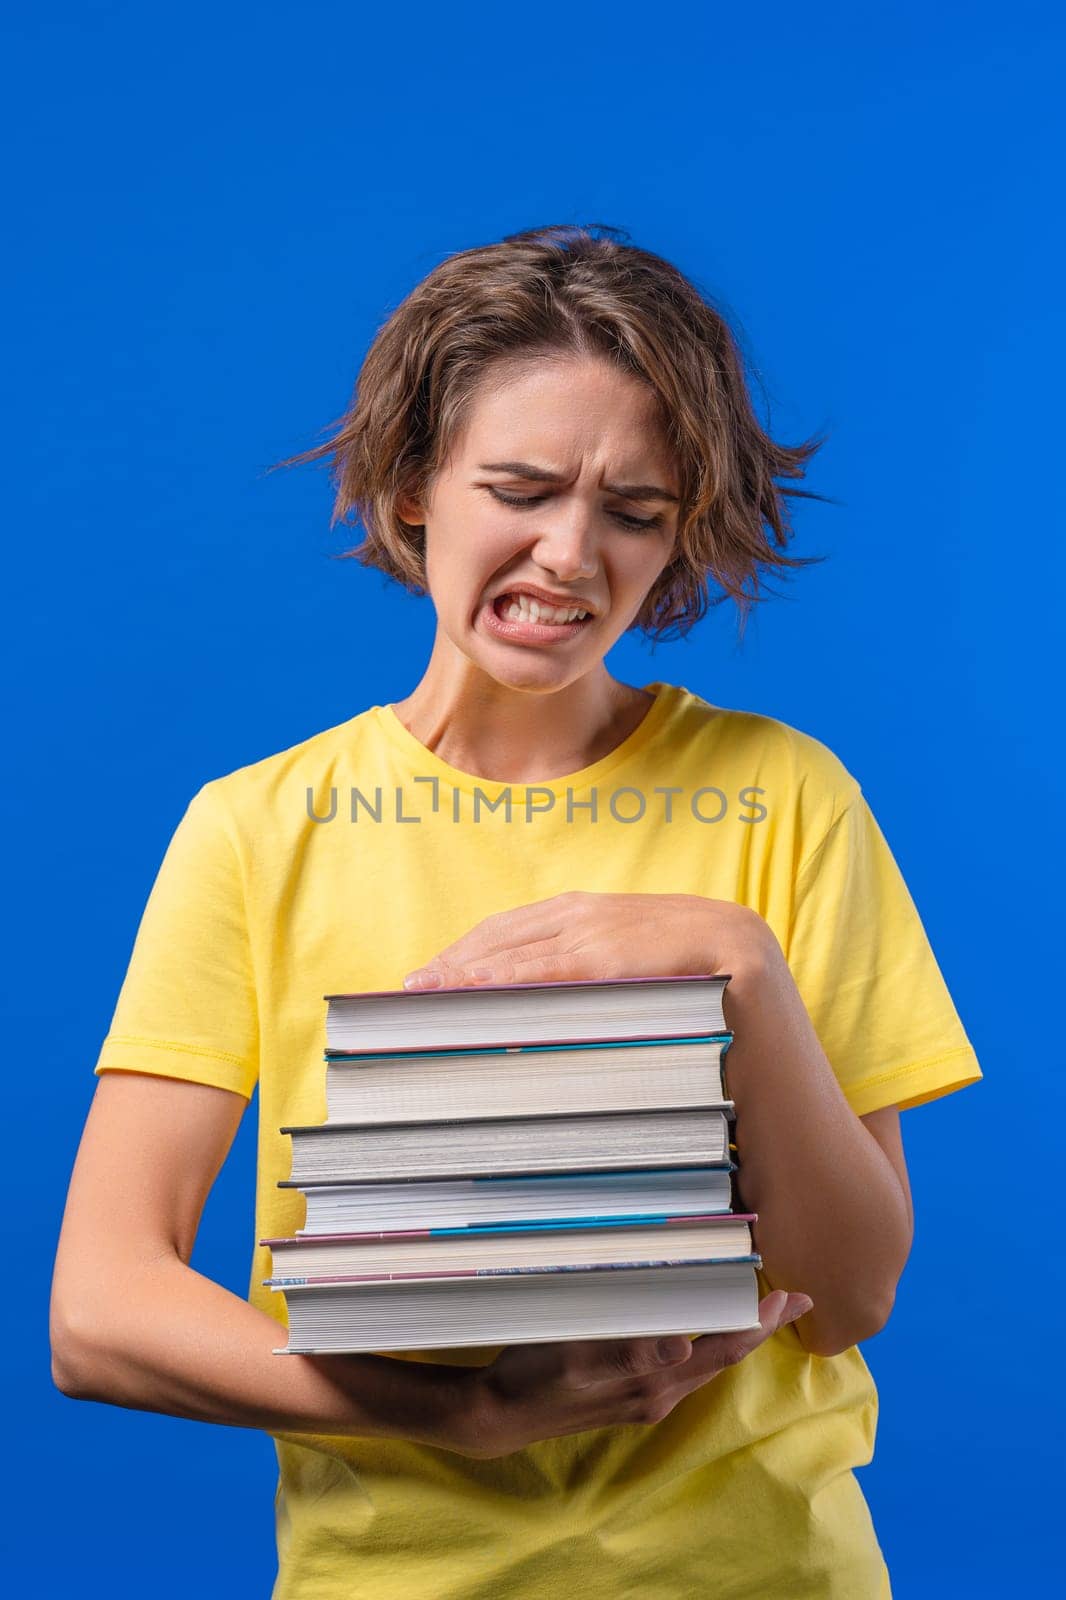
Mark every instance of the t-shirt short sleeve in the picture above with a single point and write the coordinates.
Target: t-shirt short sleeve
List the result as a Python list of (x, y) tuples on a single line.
[(187, 1006), (861, 960)]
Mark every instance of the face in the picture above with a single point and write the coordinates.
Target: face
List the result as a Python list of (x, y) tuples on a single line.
[(541, 491)]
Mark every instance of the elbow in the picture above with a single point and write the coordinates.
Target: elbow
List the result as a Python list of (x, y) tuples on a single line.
[(847, 1325), (75, 1360), (65, 1377)]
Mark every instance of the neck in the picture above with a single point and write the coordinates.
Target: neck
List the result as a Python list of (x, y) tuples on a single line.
[(519, 735)]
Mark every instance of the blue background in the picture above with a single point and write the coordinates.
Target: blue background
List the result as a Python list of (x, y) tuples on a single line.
[(212, 210)]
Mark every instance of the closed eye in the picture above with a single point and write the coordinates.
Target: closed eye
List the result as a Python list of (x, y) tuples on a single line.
[(522, 501)]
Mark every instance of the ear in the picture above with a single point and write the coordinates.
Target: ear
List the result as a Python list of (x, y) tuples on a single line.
[(410, 511)]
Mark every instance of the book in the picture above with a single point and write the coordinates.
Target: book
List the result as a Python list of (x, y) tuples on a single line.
[(527, 1013), (498, 1306), (535, 1196), (509, 1080), (563, 1241), (334, 1152), (518, 1162)]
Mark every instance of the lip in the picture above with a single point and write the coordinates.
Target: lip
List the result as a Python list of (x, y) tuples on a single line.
[(528, 633), (536, 593)]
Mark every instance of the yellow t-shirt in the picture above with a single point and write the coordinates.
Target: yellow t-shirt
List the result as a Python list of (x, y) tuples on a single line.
[(261, 908)]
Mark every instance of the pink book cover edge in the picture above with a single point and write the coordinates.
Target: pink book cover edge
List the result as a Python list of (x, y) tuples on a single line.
[(554, 983)]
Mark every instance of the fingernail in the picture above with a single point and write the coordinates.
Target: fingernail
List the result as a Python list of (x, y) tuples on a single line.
[(673, 1349), (801, 1310), (481, 972), (422, 980)]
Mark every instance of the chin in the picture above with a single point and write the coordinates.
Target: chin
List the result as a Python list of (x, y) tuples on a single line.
[(543, 678), (537, 674)]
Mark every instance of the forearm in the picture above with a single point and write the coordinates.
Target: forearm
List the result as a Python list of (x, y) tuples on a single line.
[(833, 1219), (165, 1338)]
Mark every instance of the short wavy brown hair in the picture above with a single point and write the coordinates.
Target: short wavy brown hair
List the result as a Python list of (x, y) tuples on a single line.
[(573, 290)]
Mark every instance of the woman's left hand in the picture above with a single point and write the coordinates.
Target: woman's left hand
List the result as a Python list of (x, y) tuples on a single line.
[(583, 935)]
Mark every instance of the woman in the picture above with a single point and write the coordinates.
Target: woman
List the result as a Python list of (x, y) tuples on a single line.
[(558, 416)]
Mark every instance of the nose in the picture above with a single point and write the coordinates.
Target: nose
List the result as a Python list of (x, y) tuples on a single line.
[(567, 542)]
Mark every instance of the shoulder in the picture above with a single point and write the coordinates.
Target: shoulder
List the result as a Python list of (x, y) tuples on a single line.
[(799, 773), (277, 784), (767, 743)]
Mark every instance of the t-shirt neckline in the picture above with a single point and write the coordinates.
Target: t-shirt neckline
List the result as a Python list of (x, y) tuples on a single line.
[(432, 765)]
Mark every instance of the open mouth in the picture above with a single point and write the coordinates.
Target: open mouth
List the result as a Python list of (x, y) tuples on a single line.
[(511, 608), (532, 623)]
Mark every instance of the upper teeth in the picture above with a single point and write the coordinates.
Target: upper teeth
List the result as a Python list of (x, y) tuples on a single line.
[(523, 609)]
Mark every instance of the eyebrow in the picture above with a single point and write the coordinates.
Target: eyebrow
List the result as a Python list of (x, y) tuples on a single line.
[(628, 491)]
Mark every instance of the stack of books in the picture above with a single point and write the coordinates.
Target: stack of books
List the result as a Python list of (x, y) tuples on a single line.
[(516, 1163)]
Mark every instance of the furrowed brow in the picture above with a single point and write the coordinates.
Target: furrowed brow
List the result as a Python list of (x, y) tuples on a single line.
[(627, 491)]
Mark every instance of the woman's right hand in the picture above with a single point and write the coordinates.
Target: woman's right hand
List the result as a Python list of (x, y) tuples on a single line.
[(542, 1391)]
